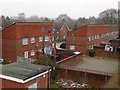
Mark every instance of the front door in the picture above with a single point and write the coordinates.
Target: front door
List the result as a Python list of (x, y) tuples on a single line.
[(26, 54)]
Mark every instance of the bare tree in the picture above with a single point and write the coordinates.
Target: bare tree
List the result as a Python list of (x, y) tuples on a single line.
[(109, 16)]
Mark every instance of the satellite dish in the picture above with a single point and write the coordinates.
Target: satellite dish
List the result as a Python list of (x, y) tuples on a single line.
[(48, 50)]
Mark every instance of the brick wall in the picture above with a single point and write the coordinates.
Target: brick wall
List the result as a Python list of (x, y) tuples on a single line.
[(79, 42), (79, 37), (12, 39), (102, 53), (72, 60), (41, 81), (31, 46), (63, 32), (9, 50)]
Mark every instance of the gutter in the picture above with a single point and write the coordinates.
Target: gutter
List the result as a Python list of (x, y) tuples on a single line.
[(20, 80)]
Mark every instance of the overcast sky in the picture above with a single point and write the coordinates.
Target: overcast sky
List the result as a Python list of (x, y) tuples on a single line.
[(52, 8)]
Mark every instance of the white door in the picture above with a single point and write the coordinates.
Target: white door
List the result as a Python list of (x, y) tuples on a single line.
[(33, 87), (26, 54)]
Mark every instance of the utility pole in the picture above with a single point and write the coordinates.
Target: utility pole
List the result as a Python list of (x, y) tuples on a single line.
[(43, 40)]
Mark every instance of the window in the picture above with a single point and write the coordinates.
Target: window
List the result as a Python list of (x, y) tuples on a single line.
[(32, 52), (33, 87), (92, 46), (97, 36), (64, 37), (26, 54), (112, 33), (46, 38), (92, 37), (24, 41), (32, 40), (101, 35), (72, 47), (89, 38), (40, 39), (52, 38), (89, 46)]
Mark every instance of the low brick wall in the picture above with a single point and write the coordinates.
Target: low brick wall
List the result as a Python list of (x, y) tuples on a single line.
[(102, 53), (72, 60)]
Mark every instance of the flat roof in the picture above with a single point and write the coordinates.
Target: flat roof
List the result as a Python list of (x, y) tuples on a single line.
[(23, 70), (95, 65)]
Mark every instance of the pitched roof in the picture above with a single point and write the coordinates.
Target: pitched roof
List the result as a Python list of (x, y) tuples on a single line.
[(92, 29), (65, 25), (26, 29)]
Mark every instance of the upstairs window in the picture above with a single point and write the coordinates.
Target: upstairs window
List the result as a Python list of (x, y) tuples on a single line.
[(32, 40), (92, 37), (89, 38), (97, 37), (46, 38), (24, 41), (102, 36), (40, 39)]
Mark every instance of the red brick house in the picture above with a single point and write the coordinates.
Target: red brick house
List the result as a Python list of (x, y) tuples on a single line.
[(21, 75), (63, 32), (24, 39), (90, 35)]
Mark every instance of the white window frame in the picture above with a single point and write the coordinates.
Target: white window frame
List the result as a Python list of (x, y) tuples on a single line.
[(34, 86), (46, 38), (93, 37), (52, 38), (98, 36), (25, 41), (72, 47), (32, 40), (102, 35), (32, 52), (89, 38), (64, 37), (40, 39)]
